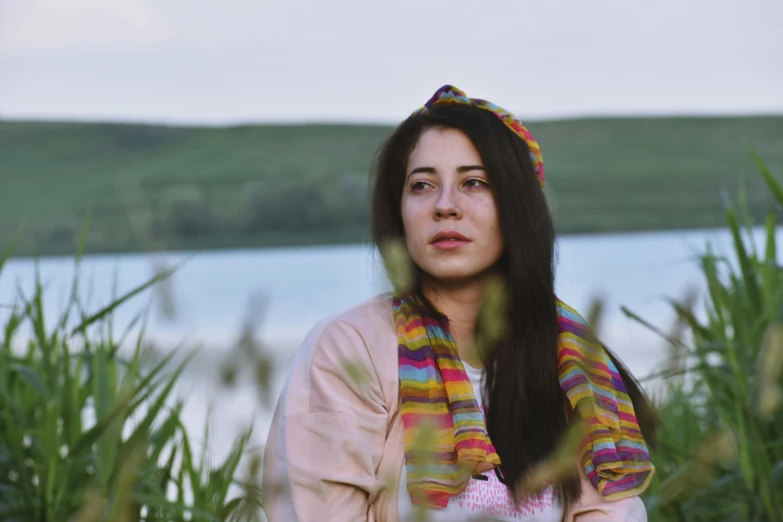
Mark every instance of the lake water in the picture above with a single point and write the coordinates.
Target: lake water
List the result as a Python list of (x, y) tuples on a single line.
[(211, 291)]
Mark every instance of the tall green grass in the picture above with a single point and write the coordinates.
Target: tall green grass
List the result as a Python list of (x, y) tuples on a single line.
[(91, 432), (721, 440)]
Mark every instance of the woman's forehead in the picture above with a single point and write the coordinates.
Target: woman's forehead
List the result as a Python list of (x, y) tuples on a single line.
[(443, 146)]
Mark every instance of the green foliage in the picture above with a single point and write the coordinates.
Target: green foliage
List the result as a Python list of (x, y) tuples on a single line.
[(721, 442), (183, 211), (289, 209), (307, 184), (88, 434)]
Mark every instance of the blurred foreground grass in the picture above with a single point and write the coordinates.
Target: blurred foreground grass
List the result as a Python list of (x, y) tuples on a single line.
[(88, 433), (721, 439)]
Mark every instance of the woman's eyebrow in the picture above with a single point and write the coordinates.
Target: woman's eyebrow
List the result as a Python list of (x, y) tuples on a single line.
[(432, 170)]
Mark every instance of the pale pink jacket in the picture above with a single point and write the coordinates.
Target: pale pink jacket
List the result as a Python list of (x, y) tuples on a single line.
[(335, 447)]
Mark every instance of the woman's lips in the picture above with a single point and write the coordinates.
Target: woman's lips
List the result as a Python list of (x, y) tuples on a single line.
[(449, 240), (449, 244)]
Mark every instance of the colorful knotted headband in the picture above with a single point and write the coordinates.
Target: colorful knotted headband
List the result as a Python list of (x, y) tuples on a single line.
[(450, 95), (434, 388)]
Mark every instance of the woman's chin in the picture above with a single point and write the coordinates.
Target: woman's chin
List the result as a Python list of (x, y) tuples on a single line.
[(454, 275)]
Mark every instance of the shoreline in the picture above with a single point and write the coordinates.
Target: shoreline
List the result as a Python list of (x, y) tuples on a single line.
[(295, 245)]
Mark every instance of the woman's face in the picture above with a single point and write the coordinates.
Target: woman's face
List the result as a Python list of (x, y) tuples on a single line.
[(452, 230)]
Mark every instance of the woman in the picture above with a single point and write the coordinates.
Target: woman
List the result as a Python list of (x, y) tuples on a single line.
[(401, 405)]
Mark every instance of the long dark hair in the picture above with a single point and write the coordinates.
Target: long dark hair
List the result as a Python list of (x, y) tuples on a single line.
[(525, 406)]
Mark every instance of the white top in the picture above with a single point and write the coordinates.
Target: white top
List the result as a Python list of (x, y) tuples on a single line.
[(487, 500)]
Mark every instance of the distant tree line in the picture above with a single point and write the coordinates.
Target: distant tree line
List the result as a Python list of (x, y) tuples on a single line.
[(202, 214), (188, 211)]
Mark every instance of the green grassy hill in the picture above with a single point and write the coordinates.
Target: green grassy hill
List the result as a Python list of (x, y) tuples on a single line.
[(150, 186)]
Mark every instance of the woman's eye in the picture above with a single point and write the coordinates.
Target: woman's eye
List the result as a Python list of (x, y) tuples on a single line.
[(418, 186), (476, 183)]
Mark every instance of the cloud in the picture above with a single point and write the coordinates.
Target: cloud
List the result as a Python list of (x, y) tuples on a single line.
[(40, 26)]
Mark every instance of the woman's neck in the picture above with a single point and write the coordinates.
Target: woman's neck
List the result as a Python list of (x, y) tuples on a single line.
[(461, 304)]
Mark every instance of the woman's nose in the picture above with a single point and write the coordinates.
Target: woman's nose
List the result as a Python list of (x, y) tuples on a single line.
[(446, 204)]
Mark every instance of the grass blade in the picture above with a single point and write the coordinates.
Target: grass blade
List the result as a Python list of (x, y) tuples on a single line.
[(106, 310), (748, 274), (8, 251), (772, 183), (128, 401), (142, 431)]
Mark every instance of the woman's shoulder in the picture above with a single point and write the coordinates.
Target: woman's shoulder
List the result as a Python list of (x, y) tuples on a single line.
[(370, 318), (368, 325), (356, 345), (373, 313)]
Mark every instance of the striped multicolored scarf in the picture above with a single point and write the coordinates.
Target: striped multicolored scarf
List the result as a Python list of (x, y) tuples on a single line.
[(436, 391)]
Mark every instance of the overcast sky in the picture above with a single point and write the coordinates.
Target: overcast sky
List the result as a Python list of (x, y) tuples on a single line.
[(199, 61)]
